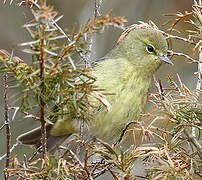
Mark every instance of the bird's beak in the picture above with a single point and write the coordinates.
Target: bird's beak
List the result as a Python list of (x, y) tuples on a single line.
[(166, 59)]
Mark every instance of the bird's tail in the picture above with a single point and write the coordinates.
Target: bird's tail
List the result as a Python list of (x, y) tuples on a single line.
[(33, 137)]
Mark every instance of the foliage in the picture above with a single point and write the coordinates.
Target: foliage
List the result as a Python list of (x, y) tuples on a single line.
[(59, 78)]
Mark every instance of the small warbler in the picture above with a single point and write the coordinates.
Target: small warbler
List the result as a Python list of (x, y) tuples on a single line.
[(126, 71)]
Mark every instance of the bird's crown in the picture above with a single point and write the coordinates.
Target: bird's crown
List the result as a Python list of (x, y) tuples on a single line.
[(141, 25)]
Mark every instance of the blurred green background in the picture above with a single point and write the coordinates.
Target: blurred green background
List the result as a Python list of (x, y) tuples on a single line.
[(77, 12)]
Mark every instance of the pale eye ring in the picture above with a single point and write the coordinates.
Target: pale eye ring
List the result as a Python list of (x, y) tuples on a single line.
[(150, 48)]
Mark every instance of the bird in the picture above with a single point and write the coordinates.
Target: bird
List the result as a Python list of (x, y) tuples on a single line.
[(126, 71)]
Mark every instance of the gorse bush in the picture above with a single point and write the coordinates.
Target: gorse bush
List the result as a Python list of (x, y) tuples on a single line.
[(58, 81)]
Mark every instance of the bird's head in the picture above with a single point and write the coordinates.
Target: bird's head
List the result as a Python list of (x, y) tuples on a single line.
[(145, 48)]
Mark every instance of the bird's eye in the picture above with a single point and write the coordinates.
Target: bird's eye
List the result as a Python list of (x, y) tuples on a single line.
[(150, 48)]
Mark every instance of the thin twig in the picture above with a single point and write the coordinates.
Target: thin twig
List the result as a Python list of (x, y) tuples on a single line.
[(186, 56), (11, 149), (123, 132), (179, 38), (180, 17), (96, 9), (7, 124), (42, 103), (198, 85)]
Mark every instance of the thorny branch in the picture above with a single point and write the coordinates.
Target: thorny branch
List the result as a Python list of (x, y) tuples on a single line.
[(42, 103), (7, 125), (180, 16), (177, 104)]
